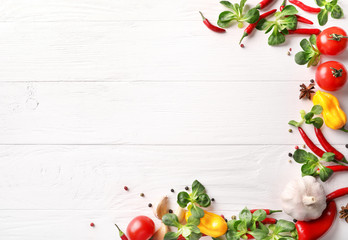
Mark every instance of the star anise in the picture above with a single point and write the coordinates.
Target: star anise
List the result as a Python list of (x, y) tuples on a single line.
[(344, 213), (306, 91)]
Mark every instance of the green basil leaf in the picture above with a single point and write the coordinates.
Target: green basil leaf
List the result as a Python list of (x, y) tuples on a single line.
[(197, 212), (276, 38), (203, 200), (228, 5), (325, 173), (318, 122), (227, 16), (323, 17), (251, 16), (197, 189), (183, 199), (258, 234), (317, 109), (310, 168), (321, 3), (171, 236), (259, 215), (306, 45), (328, 157), (245, 216), (288, 10), (171, 219), (309, 116), (284, 226), (337, 12), (224, 24), (301, 156), (301, 58)]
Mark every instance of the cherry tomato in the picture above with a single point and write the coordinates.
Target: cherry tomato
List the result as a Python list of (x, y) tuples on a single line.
[(332, 41), (331, 76), (140, 228)]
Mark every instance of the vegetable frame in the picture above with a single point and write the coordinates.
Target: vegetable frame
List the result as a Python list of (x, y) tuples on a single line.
[(284, 21)]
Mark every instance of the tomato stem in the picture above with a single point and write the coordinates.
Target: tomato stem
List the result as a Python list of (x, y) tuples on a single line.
[(337, 37), (336, 73)]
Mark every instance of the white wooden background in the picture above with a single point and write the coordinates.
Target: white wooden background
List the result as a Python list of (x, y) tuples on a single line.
[(98, 94)]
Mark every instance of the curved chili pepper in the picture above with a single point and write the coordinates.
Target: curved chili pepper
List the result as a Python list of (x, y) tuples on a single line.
[(338, 168), (268, 211), (313, 230), (269, 221), (310, 144), (327, 146), (336, 194), (248, 30), (263, 4), (305, 7), (211, 26), (122, 235), (308, 31), (282, 6), (303, 20)]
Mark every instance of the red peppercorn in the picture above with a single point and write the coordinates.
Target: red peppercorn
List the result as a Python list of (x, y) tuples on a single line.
[(296, 147), (222, 216), (92, 224), (125, 188), (290, 49), (242, 45)]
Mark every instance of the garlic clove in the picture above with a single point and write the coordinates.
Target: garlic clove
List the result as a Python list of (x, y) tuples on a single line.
[(159, 234), (162, 208), (180, 213)]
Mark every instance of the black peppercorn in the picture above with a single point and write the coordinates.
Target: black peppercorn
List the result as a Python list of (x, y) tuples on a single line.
[(312, 80), (346, 145), (142, 195), (170, 211), (290, 154), (186, 188), (172, 190), (213, 199)]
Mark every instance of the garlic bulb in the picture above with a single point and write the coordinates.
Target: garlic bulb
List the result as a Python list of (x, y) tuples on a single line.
[(304, 199)]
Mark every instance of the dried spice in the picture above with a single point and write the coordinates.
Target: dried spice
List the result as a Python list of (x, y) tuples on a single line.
[(344, 213), (306, 92)]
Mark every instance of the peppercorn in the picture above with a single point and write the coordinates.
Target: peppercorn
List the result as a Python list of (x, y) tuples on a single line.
[(233, 217), (125, 188), (312, 80), (290, 161), (170, 211), (213, 199), (142, 195), (304, 146), (150, 205), (290, 154), (186, 188), (296, 147), (242, 45), (92, 224), (172, 190), (294, 220), (290, 130), (290, 49), (289, 53), (346, 145)]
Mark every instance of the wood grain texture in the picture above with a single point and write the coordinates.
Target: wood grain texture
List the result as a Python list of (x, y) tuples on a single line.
[(154, 113)]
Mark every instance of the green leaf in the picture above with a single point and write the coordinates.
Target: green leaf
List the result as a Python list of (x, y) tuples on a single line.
[(323, 17), (310, 168), (321, 3), (325, 173), (276, 38), (329, 7), (289, 22), (337, 12), (301, 58), (251, 16), (284, 226), (328, 157), (197, 212), (317, 109), (224, 24), (259, 215), (263, 24), (301, 156), (242, 4), (306, 45), (313, 39), (193, 221), (288, 10), (318, 122), (171, 236), (227, 16), (228, 5), (171, 219), (194, 229), (309, 116), (258, 234), (203, 200), (195, 236), (197, 189), (183, 199), (294, 123), (245, 216), (232, 235), (303, 113)]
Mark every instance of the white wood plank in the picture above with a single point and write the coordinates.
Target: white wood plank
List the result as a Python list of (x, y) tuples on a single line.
[(154, 113), (143, 51)]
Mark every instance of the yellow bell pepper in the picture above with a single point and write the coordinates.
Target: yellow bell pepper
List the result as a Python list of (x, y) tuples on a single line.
[(211, 224), (334, 116)]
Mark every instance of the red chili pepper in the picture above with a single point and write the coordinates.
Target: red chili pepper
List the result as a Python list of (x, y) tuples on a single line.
[(310, 144), (305, 7), (269, 221), (211, 26), (303, 20), (248, 30), (181, 238), (313, 230), (268, 211), (338, 168), (308, 31), (263, 4), (122, 235), (283, 5), (327, 146), (336, 194)]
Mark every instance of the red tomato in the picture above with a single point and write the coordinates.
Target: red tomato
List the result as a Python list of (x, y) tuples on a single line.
[(331, 76), (140, 228), (332, 41)]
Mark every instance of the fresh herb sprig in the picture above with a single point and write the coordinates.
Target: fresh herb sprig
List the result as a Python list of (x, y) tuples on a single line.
[(329, 7), (236, 13), (251, 223), (312, 166), (197, 197), (284, 21), (190, 231), (310, 54), (309, 117)]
